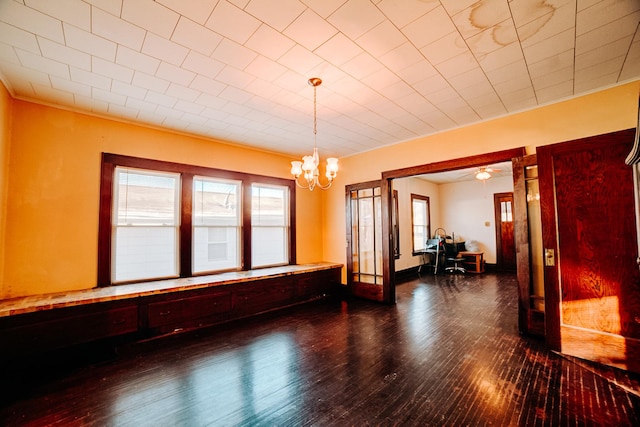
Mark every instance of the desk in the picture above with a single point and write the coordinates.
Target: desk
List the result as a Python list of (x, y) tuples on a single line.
[(430, 258), (473, 261)]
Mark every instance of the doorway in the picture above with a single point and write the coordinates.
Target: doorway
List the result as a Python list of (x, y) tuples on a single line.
[(387, 185)]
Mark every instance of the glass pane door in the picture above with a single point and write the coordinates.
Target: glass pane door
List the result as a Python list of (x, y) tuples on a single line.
[(365, 273)]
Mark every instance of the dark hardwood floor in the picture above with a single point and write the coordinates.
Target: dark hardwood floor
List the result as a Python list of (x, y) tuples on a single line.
[(448, 353)]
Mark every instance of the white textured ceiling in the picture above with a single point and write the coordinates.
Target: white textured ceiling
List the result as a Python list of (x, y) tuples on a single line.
[(237, 70)]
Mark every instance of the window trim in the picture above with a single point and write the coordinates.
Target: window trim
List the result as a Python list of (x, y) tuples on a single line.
[(428, 228), (187, 172)]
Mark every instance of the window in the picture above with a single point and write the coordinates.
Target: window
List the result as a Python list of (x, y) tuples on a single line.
[(270, 224), (145, 224), (216, 224), (420, 221), (161, 220)]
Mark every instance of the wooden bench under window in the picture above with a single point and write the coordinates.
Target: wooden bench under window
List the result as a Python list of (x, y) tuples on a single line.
[(36, 324)]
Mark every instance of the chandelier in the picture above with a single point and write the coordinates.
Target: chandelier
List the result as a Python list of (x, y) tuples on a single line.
[(309, 164)]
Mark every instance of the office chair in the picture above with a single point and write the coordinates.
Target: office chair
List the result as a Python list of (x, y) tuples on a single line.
[(452, 257)]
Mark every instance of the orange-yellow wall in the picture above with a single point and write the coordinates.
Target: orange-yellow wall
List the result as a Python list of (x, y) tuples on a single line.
[(594, 114), (53, 192), (5, 144)]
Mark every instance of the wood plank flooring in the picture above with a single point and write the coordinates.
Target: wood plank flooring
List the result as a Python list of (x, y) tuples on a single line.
[(447, 354)]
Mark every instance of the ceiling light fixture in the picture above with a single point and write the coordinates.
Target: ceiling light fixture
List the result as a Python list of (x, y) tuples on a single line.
[(309, 164), (482, 174)]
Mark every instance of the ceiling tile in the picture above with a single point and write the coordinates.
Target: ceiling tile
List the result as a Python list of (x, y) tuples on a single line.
[(54, 96), (128, 90), (356, 17), (182, 92), (560, 90), (624, 28), (324, 8), (197, 11), (114, 7), (109, 69), (300, 60), (232, 22), (8, 55), (90, 79), (526, 11), (481, 16), (111, 27), (175, 74), (550, 47), (209, 86), (195, 36), (75, 12), (269, 42), (338, 50), (150, 82), (202, 64), (457, 65), (163, 49), (236, 78), (554, 77), (546, 26), (561, 61), (69, 86), (31, 20), (17, 37), (429, 28), (445, 48), (151, 16), (136, 60), (265, 68), (310, 30), (501, 57), (362, 65), (456, 6), (234, 54), (37, 62), (162, 99), (276, 13), (603, 13), (107, 96), (492, 39), (89, 43), (64, 54), (381, 39), (403, 12)]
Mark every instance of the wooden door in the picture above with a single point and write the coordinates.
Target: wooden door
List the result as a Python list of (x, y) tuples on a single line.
[(505, 239), (592, 282), (365, 277)]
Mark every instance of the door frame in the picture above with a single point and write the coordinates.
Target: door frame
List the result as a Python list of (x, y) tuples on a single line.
[(441, 166)]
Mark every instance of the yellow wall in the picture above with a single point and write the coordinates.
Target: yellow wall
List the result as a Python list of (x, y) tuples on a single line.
[(594, 114), (5, 144), (52, 209)]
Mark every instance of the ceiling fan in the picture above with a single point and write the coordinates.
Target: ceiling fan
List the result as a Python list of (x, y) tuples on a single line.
[(484, 172)]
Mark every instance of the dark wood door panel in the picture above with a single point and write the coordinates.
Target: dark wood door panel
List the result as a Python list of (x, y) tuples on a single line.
[(592, 287)]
